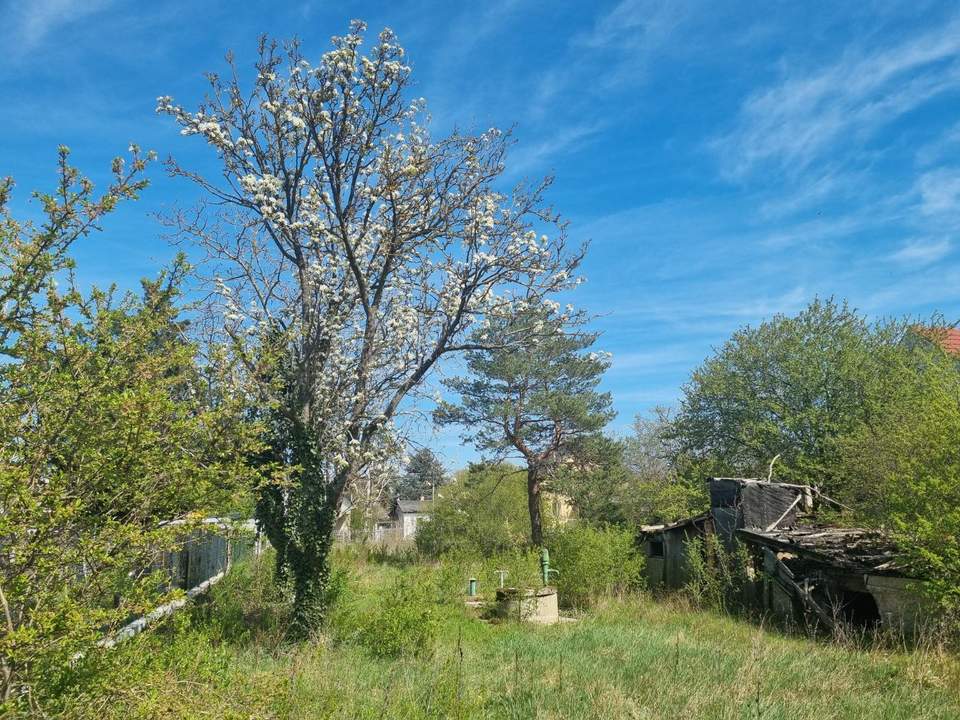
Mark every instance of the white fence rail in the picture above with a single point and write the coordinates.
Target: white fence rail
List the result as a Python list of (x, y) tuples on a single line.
[(203, 558)]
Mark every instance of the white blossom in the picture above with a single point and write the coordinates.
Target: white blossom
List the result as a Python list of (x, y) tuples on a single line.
[(370, 249)]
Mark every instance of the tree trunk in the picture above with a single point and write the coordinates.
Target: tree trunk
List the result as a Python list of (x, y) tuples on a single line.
[(311, 576), (299, 523), (533, 503)]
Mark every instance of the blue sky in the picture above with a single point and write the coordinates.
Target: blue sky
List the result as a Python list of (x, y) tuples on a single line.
[(727, 160)]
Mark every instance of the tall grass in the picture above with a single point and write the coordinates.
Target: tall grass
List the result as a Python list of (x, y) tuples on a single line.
[(626, 658)]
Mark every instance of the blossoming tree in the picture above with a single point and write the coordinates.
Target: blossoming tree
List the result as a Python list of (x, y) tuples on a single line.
[(349, 252)]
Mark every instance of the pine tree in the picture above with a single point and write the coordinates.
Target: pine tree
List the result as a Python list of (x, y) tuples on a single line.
[(425, 473), (537, 400)]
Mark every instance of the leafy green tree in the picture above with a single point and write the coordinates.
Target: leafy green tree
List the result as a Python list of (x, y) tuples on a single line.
[(594, 477), (481, 512), (664, 487), (786, 389), (31, 257), (537, 400), (632, 481), (424, 475), (107, 428), (901, 470)]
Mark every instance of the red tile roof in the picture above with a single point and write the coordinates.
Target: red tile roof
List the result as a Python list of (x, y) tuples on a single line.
[(951, 340), (947, 337)]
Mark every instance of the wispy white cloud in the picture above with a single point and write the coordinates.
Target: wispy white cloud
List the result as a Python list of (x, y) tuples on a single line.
[(933, 152), (657, 359), (615, 52), (737, 304), (824, 187), (536, 156), (475, 25), (635, 23), (939, 191), (815, 230), (30, 23), (798, 121), (922, 252), (930, 288)]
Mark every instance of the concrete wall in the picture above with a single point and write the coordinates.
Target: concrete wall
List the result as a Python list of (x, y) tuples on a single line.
[(202, 555), (536, 606), (900, 602)]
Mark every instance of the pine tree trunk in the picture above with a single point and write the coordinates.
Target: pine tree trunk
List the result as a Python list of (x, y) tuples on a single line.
[(533, 503)]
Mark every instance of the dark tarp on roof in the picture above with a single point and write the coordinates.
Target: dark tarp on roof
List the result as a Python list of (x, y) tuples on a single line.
[(724, 492), (763, 504), (743, 502)]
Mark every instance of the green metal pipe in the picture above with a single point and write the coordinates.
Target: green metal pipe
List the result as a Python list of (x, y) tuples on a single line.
[(545, 568)]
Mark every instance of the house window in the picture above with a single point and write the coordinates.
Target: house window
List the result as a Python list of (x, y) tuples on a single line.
[(656, 548)]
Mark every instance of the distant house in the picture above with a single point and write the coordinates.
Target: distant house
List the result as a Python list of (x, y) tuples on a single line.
[(559, 506), (407, 514), (946, 337), (950, 340)]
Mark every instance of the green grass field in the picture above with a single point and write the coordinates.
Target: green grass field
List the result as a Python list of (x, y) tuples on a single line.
[(626, 658)]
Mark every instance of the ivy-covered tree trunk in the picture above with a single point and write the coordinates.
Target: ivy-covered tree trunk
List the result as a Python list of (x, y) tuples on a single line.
[(299, 524), (298, 519), (312, 516), (533, 502)]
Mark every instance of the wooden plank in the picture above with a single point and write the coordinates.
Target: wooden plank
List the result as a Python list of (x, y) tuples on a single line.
[(785, 577)]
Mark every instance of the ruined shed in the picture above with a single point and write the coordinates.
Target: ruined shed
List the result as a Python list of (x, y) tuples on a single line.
[(800, 568), (848, 575), (667, 548), (734, 503)]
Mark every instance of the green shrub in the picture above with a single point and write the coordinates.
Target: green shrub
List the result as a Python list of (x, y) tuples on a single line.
[(246, 606), (717, 575), (593, 562), (521, 567), (483, 512), (402, 620)]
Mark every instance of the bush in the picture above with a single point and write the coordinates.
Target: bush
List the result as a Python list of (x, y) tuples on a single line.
[(594, 562), (402, 621), (521, 565), (246, 606), (717, 575), (483, 512)]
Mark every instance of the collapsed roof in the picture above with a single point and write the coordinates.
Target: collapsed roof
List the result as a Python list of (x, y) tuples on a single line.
[(854, 549)]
